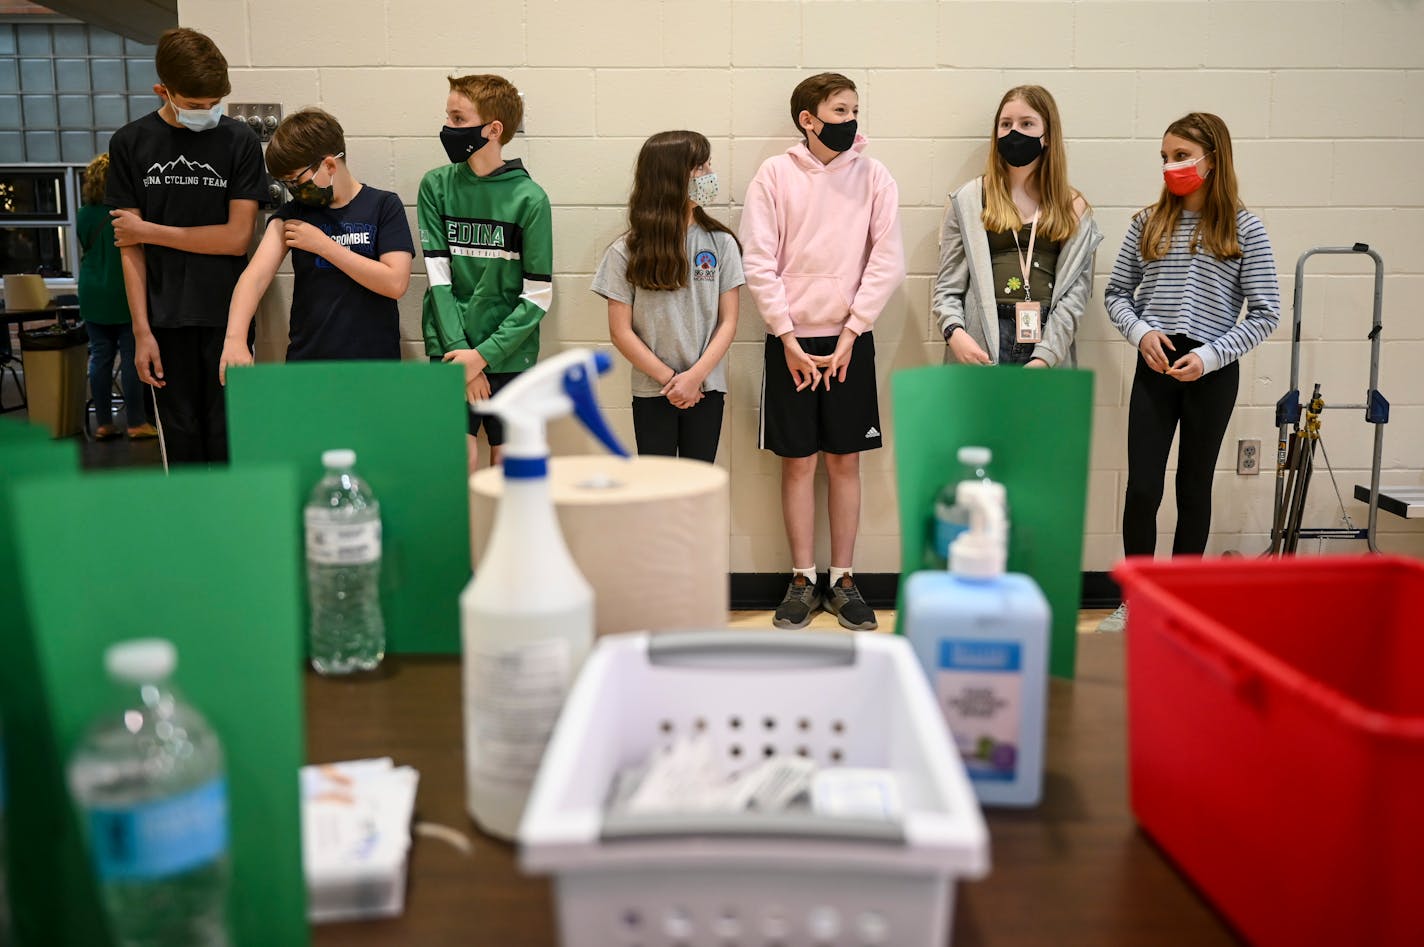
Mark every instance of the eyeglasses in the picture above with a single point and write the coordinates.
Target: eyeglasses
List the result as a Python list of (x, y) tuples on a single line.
[(295, 180)]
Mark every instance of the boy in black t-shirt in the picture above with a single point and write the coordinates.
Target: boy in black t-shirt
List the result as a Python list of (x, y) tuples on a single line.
[(185, 181), (351, 252)]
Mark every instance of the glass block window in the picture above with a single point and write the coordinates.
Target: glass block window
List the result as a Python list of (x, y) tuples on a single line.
[(65, 88)]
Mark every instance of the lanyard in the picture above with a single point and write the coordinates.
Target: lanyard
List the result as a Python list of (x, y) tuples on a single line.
[(1025, 261)]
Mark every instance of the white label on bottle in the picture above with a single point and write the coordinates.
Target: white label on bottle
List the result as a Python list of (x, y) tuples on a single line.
[(342, 544), (980, 689), (515, 695)]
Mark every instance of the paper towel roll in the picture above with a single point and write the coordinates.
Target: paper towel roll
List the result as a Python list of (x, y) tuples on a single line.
[(650, 534)]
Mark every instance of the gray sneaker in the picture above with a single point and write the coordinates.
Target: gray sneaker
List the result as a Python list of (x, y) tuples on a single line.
[(846, 603), (1117, 621), (800, 603)]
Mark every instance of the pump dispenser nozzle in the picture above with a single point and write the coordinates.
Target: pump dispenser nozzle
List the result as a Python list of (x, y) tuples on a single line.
[(551, 389)]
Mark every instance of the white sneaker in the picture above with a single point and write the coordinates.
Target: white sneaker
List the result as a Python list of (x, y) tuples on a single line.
[(1117, 621)]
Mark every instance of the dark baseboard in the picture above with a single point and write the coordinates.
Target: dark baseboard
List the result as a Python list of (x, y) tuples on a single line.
[(763, 590)]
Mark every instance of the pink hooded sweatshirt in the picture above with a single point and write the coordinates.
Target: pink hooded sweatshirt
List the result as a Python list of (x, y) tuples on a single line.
[(821, 243)]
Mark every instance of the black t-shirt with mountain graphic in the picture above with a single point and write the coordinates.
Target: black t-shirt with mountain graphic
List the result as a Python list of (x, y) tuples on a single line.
[(182, 178)]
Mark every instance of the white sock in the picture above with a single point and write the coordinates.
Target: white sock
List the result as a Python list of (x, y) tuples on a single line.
[(837, 572), (809, 572)]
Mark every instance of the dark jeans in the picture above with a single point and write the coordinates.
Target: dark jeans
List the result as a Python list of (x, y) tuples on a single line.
[(666, 431), (1159, 406), (191, 406), (106, 342)]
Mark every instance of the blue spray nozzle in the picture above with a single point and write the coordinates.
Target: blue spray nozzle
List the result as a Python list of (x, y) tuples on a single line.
[(579, 387)]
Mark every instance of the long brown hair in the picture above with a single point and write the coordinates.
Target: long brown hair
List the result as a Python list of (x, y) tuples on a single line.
[(1216, 230), (1056, 219), (657, 210), (95, 177)]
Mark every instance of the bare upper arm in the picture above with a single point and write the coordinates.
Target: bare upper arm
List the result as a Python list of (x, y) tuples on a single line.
[(1080, 205)]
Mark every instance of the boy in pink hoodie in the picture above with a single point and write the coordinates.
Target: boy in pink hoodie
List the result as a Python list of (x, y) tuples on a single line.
[(822, 254)]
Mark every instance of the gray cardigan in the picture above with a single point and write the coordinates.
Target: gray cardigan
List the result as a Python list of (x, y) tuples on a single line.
[(964, 264)]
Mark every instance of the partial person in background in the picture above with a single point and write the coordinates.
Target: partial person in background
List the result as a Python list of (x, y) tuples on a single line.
[(105, 309), (671, 284), (1186, 266), (1017, 245), (351, 251)]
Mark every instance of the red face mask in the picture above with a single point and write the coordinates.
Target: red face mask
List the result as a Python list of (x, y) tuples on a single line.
[(1182, 178)]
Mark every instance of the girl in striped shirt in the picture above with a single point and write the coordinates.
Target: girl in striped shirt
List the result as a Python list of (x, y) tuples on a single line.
[(1186, 266)]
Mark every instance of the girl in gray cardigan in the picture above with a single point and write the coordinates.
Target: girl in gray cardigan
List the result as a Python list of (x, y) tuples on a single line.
[(1016, 248)]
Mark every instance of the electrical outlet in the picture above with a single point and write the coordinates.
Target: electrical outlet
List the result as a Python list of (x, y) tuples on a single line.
[(1248, 457)]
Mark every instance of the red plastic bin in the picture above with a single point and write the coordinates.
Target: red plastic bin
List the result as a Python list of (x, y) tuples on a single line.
[(1276, 739)]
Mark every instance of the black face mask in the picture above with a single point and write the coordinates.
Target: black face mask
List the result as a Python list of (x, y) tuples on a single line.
[(460, 143), (838, 138), (1019, 149)]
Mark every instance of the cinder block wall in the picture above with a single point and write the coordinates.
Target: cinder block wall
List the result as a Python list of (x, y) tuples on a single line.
[(1325, 101)]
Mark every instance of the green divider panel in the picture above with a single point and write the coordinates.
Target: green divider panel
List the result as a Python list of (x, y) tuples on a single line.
[(1038, 423), (406, 422), (53, 899), (207, 559)]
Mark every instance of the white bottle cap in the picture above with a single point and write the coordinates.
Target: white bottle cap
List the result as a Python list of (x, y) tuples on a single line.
[(981, 551), (338, 459), (975, 456), (141, 661)]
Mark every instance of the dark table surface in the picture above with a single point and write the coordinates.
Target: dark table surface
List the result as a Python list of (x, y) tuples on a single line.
[(48, 314), (1074, 871)]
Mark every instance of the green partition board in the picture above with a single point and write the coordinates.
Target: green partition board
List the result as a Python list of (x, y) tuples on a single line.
[(1038, 424), (406, 421), (207, 559), (52, 897)]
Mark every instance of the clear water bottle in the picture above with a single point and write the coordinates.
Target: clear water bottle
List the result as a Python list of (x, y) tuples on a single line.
[(343, 530), (149, 780), (951, 519)]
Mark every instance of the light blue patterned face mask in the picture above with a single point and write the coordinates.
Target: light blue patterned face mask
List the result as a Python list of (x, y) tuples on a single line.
[(702, 190)]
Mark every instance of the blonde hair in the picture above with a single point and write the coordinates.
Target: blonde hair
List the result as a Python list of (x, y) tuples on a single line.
[(1216, 230), (1056, 218), (95, 177)]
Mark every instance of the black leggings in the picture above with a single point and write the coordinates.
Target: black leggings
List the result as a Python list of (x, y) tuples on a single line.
[(1159, 405), (666, 431), (191, 405)]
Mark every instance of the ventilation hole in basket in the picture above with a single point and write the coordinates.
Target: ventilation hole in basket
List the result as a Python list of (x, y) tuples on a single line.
[(873, 928), (677, 925), (726, 925), (734, 722), (769, 723), (699, 724), (838, 726), (665, 726), (824, 924), (804, 724), (803, 751), (768, 751), (837, 756), (735, 749), (632, 920)]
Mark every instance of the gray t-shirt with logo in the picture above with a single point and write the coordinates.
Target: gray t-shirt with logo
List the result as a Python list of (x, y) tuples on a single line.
[(676, 324)]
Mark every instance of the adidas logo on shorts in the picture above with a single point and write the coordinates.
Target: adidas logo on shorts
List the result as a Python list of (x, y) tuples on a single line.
[(872, 432)]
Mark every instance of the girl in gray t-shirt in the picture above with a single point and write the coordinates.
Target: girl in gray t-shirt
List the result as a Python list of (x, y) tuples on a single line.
[(671, 284)]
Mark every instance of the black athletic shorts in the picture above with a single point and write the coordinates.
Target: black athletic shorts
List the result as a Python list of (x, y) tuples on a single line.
[(494, 427), (842, 420)]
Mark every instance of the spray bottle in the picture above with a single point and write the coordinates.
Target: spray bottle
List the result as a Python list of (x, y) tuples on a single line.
[(527, 615), (981, 636)]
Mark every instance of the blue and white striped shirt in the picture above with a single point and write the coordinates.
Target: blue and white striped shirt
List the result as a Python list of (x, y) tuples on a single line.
[(1198, 295)]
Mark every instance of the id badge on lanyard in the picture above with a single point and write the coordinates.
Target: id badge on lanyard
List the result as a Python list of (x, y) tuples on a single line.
[(1028, 314)]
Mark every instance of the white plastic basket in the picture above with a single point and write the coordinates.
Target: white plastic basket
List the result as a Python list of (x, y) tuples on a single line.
[(773, 881)]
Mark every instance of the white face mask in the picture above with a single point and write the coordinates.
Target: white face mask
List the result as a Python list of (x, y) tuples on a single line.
[(198, 120), (702, 189)]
